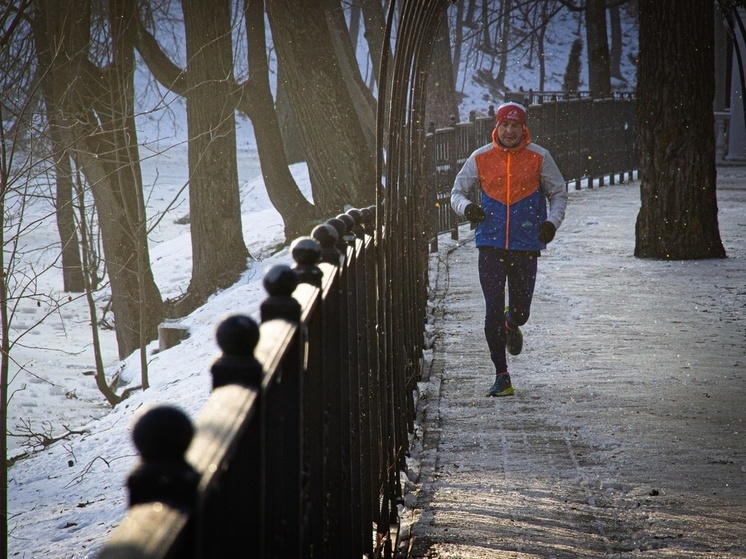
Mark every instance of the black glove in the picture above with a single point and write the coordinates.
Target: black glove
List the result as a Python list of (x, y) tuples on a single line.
[(547, 231), (474, 213)]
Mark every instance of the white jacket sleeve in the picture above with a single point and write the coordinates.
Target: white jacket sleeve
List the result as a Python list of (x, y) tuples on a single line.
[(555, 190), (465, 187)]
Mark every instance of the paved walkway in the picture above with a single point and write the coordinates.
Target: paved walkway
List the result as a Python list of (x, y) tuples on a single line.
[(627, 433)]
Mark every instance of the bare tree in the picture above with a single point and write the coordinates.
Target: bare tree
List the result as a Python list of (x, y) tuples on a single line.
[(91, 93), (678, 217), (458, 36), (375, 27), (362, 98), (252, 97), (336, 149), (597, 43), (256, 101), (615, 49), (441, 91)]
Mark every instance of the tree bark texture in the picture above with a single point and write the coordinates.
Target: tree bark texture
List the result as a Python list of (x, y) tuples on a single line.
[(219, 253), (678, 216), (96, 111), (615, 50), (441, 89), (298, 214), (341, 167), (362, 98), (72, 265)]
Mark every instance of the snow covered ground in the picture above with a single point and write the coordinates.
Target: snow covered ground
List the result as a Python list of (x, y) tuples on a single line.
[(66, 498)]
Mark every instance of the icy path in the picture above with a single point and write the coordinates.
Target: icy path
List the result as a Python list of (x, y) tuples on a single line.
[(627, 434)]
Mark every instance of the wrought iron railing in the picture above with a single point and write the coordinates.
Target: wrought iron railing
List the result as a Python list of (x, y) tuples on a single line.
[(299, 449)]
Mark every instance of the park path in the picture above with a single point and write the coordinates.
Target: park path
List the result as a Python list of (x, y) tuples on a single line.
[(627, 434)]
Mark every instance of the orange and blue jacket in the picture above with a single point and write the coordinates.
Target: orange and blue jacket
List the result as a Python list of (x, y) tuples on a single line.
[(513, 186)]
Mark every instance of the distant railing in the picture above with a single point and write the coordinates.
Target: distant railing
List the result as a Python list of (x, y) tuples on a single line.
[(591, 140)]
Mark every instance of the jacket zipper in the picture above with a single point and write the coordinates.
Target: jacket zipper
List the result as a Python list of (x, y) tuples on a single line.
[(507, 205)]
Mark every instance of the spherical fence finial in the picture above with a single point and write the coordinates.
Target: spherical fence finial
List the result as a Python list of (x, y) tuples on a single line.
[(237, 334), (357, 215), (237, 337), (162, 436), (307, 253), (280, 281), (328, 237), (349, 236), (369, 218), (162, 433)]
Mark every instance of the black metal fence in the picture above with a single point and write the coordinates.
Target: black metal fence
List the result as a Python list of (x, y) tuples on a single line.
[(591, 140), (299, 449)]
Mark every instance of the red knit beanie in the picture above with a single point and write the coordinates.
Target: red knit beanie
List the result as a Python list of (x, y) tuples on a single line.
[(511, 111)]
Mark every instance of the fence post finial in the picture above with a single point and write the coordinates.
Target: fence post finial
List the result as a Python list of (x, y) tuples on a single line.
[(327, 237), (280, 281), (307, 254), (162, 435), (237, 336), (349, 235)]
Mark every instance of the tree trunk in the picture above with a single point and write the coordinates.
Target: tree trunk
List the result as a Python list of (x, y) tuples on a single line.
[(97, 124), (678, 216), (298, 214), (504, 44), (441, 90), (545, 18), (295, 149), (362, 98), (375, 28), (72, 266), (615, 52), (219, 253), (598, 48), (458, 37), (341, 167)]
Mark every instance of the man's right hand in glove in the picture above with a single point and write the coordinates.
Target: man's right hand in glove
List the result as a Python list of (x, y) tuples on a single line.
[(474, 213), (547, 231)]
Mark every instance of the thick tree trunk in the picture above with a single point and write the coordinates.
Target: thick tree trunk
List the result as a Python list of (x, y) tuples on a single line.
[(111, 183), (441, 89), (72, 268), (375, 28), (503, 46), (458, 36), (219, 253), (341, 167), (675, 132), (362, 99)]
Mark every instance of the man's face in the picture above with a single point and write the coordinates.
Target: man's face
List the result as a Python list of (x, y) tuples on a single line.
[(510, 133)]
